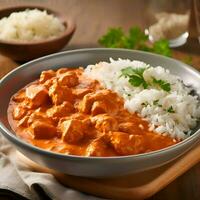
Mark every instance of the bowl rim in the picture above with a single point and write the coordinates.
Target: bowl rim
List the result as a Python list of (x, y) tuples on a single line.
[(10, 135), (68, 22)]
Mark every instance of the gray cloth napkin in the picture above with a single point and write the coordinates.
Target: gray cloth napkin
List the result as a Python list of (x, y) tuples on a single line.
[(18, 181)]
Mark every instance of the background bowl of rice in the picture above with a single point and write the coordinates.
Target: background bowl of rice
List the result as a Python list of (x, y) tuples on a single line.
[(27, 50), (94, 166)]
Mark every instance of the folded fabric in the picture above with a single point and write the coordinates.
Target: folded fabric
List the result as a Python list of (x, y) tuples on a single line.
[(19, 182)]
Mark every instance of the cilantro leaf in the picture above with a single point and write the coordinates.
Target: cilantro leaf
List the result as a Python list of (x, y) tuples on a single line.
[(128, 71), (135, 76), (162, 47), (113, 39), (135, 39), (155, 102), (136, 81), (170, 110), (145, 104), (163, 84)]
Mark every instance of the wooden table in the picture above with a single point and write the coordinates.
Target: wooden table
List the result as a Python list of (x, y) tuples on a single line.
[(93, 17)]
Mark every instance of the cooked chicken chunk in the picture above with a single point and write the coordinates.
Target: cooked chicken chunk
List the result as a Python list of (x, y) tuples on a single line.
[(59, 93), (81, 92), (127, 127), (72, 130), (61, 110), (125, 144), (99, 107), (42, 130), (105, 96), (105, 123), (97, 148), (46, 75), (62, 70), (69, 79), (19, 112), (36, 95), (20, 96), (23, 122), (39, 116)]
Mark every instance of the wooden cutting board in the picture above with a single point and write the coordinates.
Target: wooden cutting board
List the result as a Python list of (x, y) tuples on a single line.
[(132, 187), (135, 187)]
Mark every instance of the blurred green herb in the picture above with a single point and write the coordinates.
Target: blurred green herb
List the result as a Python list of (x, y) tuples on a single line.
[(162, 47), (188, 60), (135, 39)]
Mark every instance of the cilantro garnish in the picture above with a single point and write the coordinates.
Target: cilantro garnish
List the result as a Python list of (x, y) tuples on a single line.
[(162, 47), (163, 84), (135, 76), (155, 102), (170, 110), (113, 39), (135, 39), (144, 104)]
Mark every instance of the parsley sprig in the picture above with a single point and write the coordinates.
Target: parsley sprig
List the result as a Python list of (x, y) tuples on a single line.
[(163, 84), (135, 39), (170, 110), (136, 78)]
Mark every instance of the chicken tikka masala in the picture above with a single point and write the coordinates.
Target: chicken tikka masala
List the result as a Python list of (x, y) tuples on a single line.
[(67, 112)]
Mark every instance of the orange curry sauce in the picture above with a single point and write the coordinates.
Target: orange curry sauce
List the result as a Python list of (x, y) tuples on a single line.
[(67, 112)]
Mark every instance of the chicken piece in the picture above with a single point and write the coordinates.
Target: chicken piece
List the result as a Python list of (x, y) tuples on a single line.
[(127, 127), (49, 82), (38, 116), (46, 75), (19, 112), (99, 107), (69, 79), (62, 71), (72, 130), (61, 110), (42, 130), (78, 116), (97, 148), (109, 98), (87, 125), (36, 95), (20, 96), (105, 123), (23, 122), (125, 144), (81, 92), (59, 93)]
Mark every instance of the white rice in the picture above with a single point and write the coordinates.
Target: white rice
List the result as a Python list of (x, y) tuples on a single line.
[(30, 25), (186, 107)]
